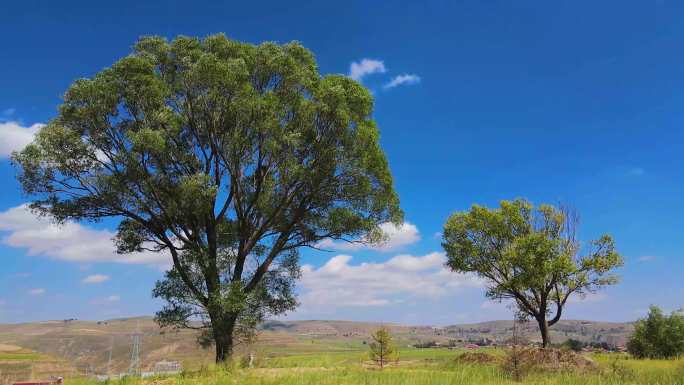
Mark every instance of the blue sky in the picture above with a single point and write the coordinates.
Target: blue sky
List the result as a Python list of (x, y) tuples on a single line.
[(573, 102)]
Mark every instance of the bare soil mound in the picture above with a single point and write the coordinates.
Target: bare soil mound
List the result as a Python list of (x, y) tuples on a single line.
[(476, 358), (548, 360)]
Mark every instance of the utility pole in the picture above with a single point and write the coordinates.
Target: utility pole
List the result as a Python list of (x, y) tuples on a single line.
[(109, 360), (134, 367)]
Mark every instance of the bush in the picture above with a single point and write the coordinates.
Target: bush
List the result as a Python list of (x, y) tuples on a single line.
[(574, 345), (658, 335)]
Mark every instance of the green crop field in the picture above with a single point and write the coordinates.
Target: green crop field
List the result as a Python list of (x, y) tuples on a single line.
[(19, 356)]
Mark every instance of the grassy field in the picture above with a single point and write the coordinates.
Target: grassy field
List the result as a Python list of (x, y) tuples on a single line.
[(86, 346), (416, 367), (299, 353)]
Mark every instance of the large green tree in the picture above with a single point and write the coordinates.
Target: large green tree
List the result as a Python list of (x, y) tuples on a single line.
[(227, 156), (529, 255)]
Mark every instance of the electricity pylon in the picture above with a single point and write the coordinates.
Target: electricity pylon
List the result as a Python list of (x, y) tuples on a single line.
[(134, 367), (109, 360)]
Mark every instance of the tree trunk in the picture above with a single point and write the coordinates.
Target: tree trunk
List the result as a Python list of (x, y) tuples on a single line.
[(544, 330), (223, 339)]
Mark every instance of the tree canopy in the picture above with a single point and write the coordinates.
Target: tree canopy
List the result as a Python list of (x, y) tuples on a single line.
[(226, 155), (529, 255), (658, 335)]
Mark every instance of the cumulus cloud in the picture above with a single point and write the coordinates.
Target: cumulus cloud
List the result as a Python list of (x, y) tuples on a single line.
[(38, 291), (357, 70), (68, 242), (404, 79), (95, 278), (395, 238), (14, 136), (404, 277)]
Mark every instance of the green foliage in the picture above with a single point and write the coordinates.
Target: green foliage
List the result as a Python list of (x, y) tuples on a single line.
[(382, 349), (574, 345), (658, 335), (225, 155), (529, 255)]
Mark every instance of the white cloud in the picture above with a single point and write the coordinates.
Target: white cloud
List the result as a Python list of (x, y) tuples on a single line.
[(36, 291), (113, 298), (395, 238), (14, 137), (9, 111), (646, 258), (398, 236), (357, 70), (404, 79), (68, 242), (95, 278), (404, 277)]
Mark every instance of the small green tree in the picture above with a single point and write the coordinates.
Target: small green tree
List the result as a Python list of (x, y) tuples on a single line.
[(657, 335), (382, 349), (573, 344), (529, 255)]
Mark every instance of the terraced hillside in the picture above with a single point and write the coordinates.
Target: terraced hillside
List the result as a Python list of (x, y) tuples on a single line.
[(18, 363)]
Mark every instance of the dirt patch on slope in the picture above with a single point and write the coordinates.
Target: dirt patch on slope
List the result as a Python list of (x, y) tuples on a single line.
[(6, 348)]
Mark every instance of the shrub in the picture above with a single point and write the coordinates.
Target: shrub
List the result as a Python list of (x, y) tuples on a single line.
[(574, 345), (658, 335)]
